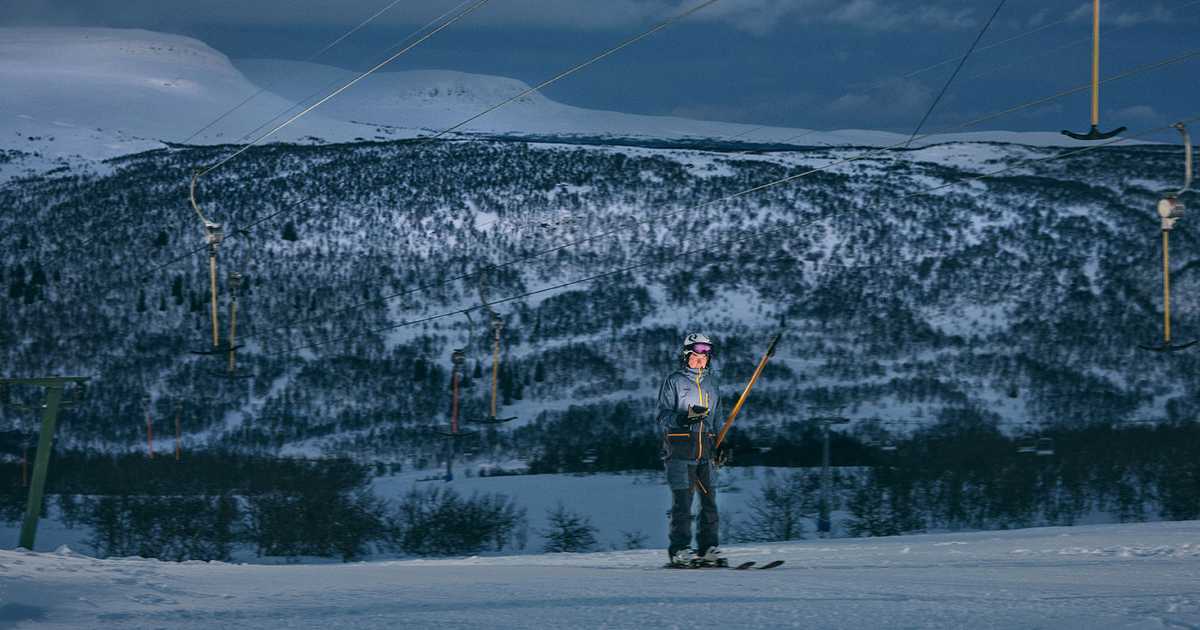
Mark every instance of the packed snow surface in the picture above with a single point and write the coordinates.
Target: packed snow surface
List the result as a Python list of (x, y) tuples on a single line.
[(1109, 576)]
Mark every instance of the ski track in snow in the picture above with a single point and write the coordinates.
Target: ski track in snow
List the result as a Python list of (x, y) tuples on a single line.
[(1111, 576)]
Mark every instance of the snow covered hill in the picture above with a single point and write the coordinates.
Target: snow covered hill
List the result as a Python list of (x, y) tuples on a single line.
[(105, 92), (130, 83), (968, 300), (1114, 576)]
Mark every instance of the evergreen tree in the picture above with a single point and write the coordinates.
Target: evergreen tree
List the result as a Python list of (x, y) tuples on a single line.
[(569, 532), (38, 277), (16, 286), (870, 513), (289, 232)]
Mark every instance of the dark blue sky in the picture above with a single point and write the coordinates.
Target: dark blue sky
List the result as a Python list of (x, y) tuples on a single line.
[(805, 63)]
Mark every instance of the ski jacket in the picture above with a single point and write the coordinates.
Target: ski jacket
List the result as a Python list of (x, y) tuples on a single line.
[(687, 438)]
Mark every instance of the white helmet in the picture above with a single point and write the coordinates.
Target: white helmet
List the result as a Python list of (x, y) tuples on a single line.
[(692, 340)]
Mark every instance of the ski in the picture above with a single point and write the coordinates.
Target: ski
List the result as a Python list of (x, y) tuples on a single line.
[(736, 567)]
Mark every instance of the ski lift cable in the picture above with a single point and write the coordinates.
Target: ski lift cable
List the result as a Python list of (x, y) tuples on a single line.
[(1083, 40), (562, 75), (953, 59), (1023, 62), (572, 70), (1019, 36), (311, 57), (997, 44), (957, 69), (924, 69), (659, 258), (444, 25), (333, 84), (522, 94), (637, 224)]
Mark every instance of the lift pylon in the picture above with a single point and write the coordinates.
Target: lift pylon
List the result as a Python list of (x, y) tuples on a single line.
[(54, 386)]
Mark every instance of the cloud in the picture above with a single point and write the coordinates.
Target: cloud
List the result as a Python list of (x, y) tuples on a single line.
[(891, 101), (1038, 18), (1137, 115), (763, 16), (877, 16), (1122, 16), (779, 109)]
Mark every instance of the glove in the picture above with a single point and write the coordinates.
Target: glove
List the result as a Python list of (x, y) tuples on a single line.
[(724, 454), (697, 413)]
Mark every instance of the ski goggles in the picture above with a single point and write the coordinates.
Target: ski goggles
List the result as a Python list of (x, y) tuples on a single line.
[(700, 348)]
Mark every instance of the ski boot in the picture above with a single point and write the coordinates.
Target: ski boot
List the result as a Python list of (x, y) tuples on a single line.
[(712, 557), (684, 558)]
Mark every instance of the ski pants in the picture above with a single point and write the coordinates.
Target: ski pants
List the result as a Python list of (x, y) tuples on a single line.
[(686, 479)]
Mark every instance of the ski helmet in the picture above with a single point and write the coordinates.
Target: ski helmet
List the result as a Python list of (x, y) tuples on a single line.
[(698, 343)]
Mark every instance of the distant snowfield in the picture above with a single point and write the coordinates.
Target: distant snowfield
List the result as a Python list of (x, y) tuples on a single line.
[(99, 93), (1110, 576), (118, 85)]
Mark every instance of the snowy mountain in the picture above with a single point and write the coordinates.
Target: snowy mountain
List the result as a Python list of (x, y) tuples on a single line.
[(129, 84), (105, 92), (1115, 576)]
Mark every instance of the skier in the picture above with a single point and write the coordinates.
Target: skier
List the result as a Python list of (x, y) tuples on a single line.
[(687, 408)]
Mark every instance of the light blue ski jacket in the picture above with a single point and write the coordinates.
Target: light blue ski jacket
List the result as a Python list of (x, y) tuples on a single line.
[(684, 438)]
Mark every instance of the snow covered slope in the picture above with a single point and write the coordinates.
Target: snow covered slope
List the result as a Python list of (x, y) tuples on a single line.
[(438, 99), (1113, 576), (104, 89), (132, 83)]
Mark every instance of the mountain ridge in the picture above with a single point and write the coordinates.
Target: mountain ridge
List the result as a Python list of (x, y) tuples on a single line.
[(142, 87)]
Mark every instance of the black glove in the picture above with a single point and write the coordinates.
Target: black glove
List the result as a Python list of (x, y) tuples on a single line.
[(724, 454), (696, 413)]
